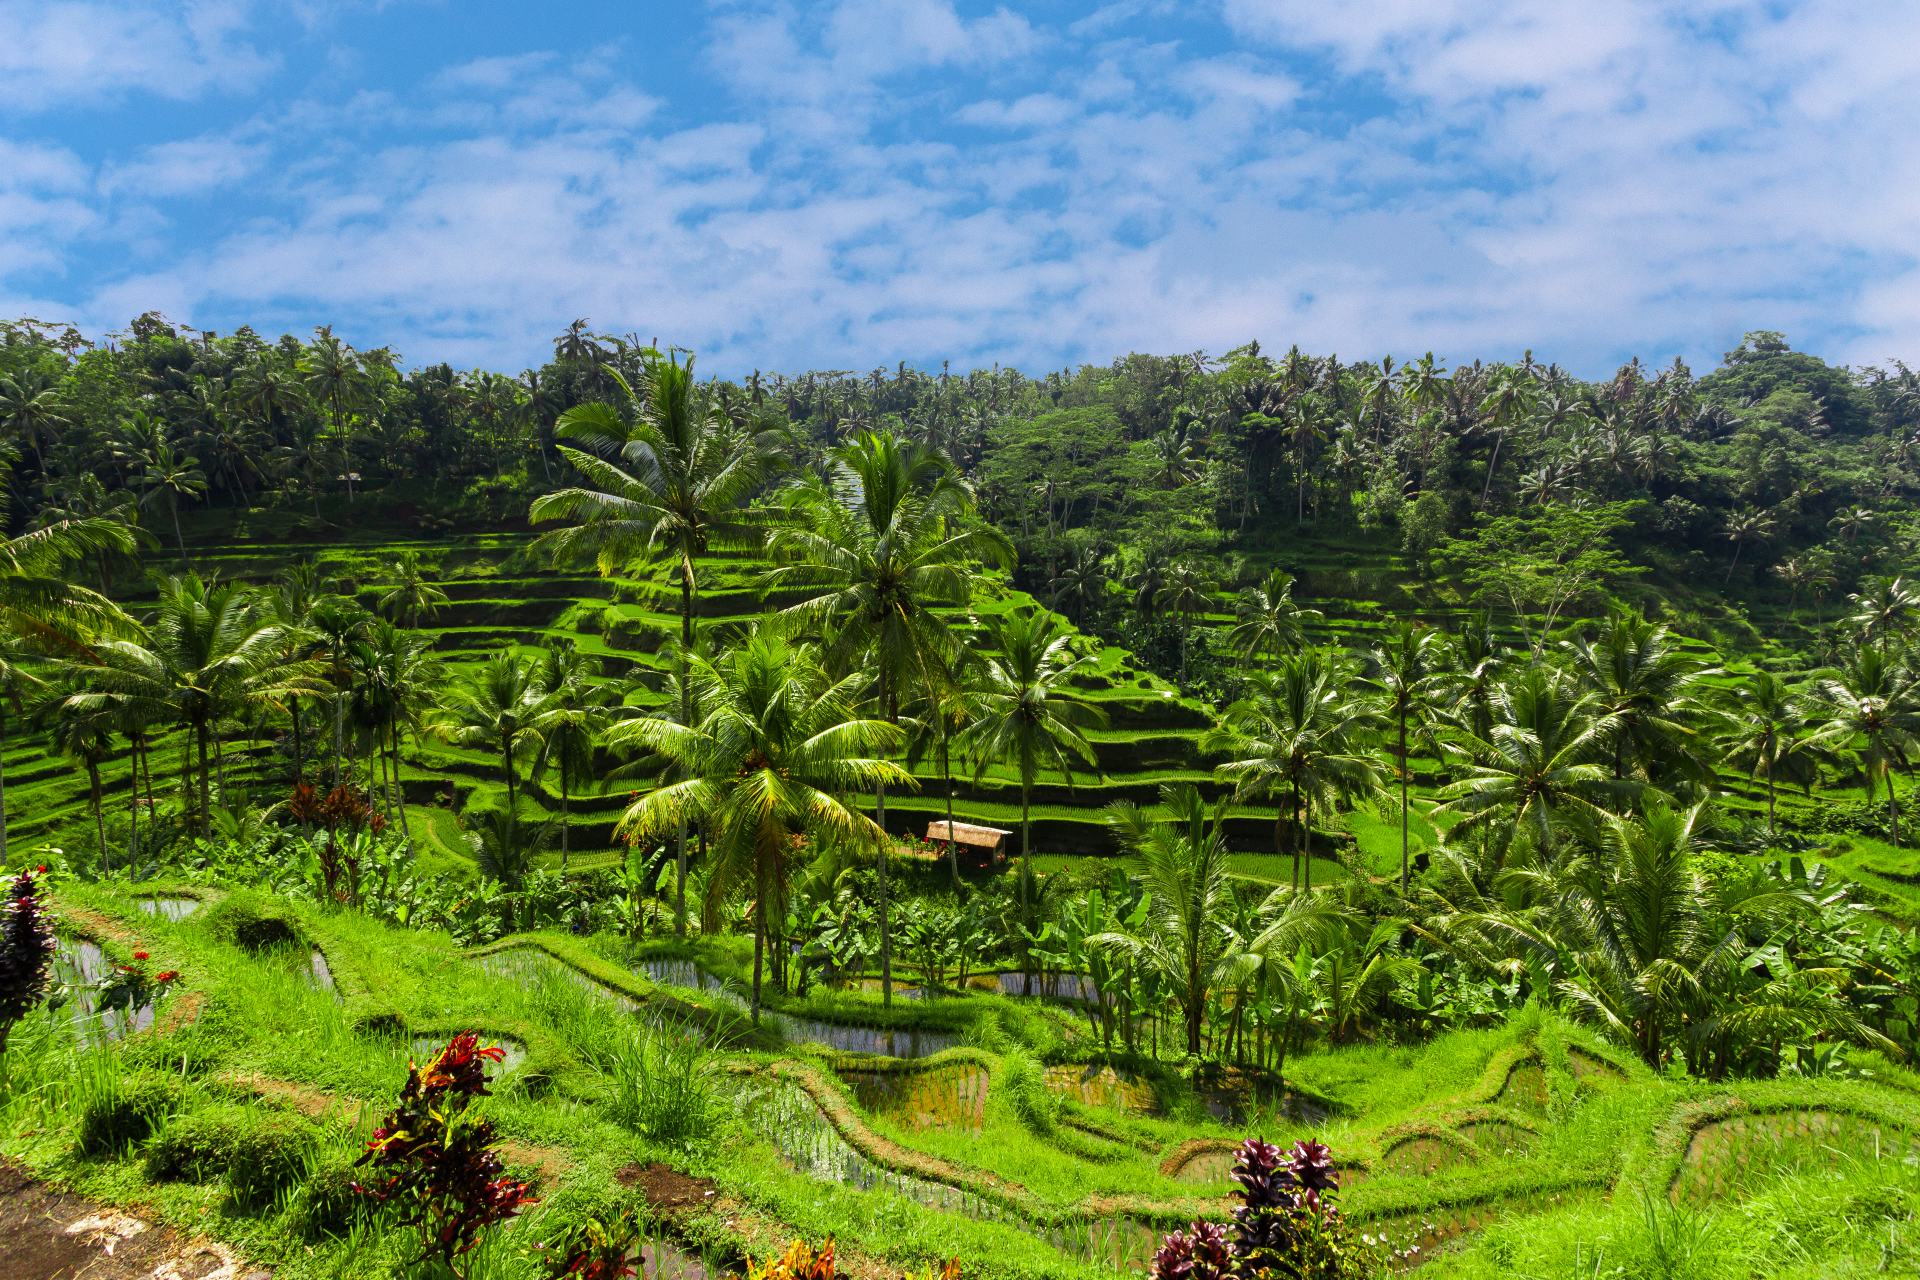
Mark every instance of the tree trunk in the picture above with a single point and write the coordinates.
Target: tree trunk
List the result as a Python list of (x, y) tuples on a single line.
[(686, 718), (206, 799), (1293, 815), (1405, 839), (99, 818), (133, 791), (886, 937), (761, 890), (506, 752), (566, 817), (177, 535), (953, 846), (3, 787)]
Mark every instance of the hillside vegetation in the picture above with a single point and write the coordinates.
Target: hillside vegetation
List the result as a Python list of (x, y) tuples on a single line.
[(1493, 780)]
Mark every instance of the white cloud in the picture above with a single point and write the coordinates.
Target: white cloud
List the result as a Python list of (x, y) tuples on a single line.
[(891, 179), (66, 53)]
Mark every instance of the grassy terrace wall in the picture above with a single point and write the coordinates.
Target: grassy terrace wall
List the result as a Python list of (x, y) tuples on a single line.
[(500, 596)]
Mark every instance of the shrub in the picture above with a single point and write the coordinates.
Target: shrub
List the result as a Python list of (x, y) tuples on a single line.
[(129, 1112), (1286, 1228), (26, 952), (438, 1154), (253, 922), (256, 1152), (597, 1249), (801, 1261)]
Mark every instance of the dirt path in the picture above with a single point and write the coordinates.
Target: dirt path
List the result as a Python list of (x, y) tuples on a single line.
[(48, 1234)]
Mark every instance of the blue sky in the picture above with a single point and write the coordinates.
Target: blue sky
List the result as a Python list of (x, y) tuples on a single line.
[(846, 185)]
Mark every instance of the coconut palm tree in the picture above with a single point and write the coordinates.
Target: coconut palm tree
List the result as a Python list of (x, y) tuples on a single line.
[(1026, 715), (1886, 611), (1188, 591), (573, 711), (777, 745), (1536, 769), (1871, 706), (397, 683), (1081, 585), (1406, 671), (1270, 622), (1744, 527), (412, 594), (1631, 917), (337, 623), (168, 477), (1300, 734), (86, 738), (885, 543), (213, 654), (673, 480), (1764, 721), (1185, 938), (494, 710), (1646, 686)]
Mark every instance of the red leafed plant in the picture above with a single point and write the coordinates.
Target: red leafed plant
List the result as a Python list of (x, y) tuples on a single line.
[(597, 1250), (437, 1151), (26, 951)]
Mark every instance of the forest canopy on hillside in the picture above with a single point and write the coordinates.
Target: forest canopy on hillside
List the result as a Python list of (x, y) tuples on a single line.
[(1775, 478)]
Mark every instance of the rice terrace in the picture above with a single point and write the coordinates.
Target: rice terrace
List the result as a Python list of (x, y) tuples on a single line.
[(1201, 816)]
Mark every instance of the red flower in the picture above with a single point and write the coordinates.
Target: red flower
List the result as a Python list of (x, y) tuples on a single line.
[(139, 955), (42, 870), (168, 976)]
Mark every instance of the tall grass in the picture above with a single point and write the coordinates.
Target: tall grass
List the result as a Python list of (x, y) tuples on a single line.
[(667, 1086)]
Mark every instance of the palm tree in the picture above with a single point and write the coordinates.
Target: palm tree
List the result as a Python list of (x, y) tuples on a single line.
[(85, 737), (1799, 573), (337, 623), (1851, 522), (1632, 918), (1406, 671), (777, 745), (1027, 716), (412, 593), (335, 379), (397, 682), (222, 657), (495, 710), (1745, 527), (1270, 621), (504, 845), (888, 541), (32, 409), (678, 490), (1762, 735), (1185, 938), (572, 713), (1081, 584), (213, 655), (1189, 591), (168, 477), (1534, 771), (1871, 705), (1301, 734), (1885, 611), (945, 709), (1645, 684)]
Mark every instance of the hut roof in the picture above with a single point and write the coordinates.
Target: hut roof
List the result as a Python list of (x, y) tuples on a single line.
[(968, 834)]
